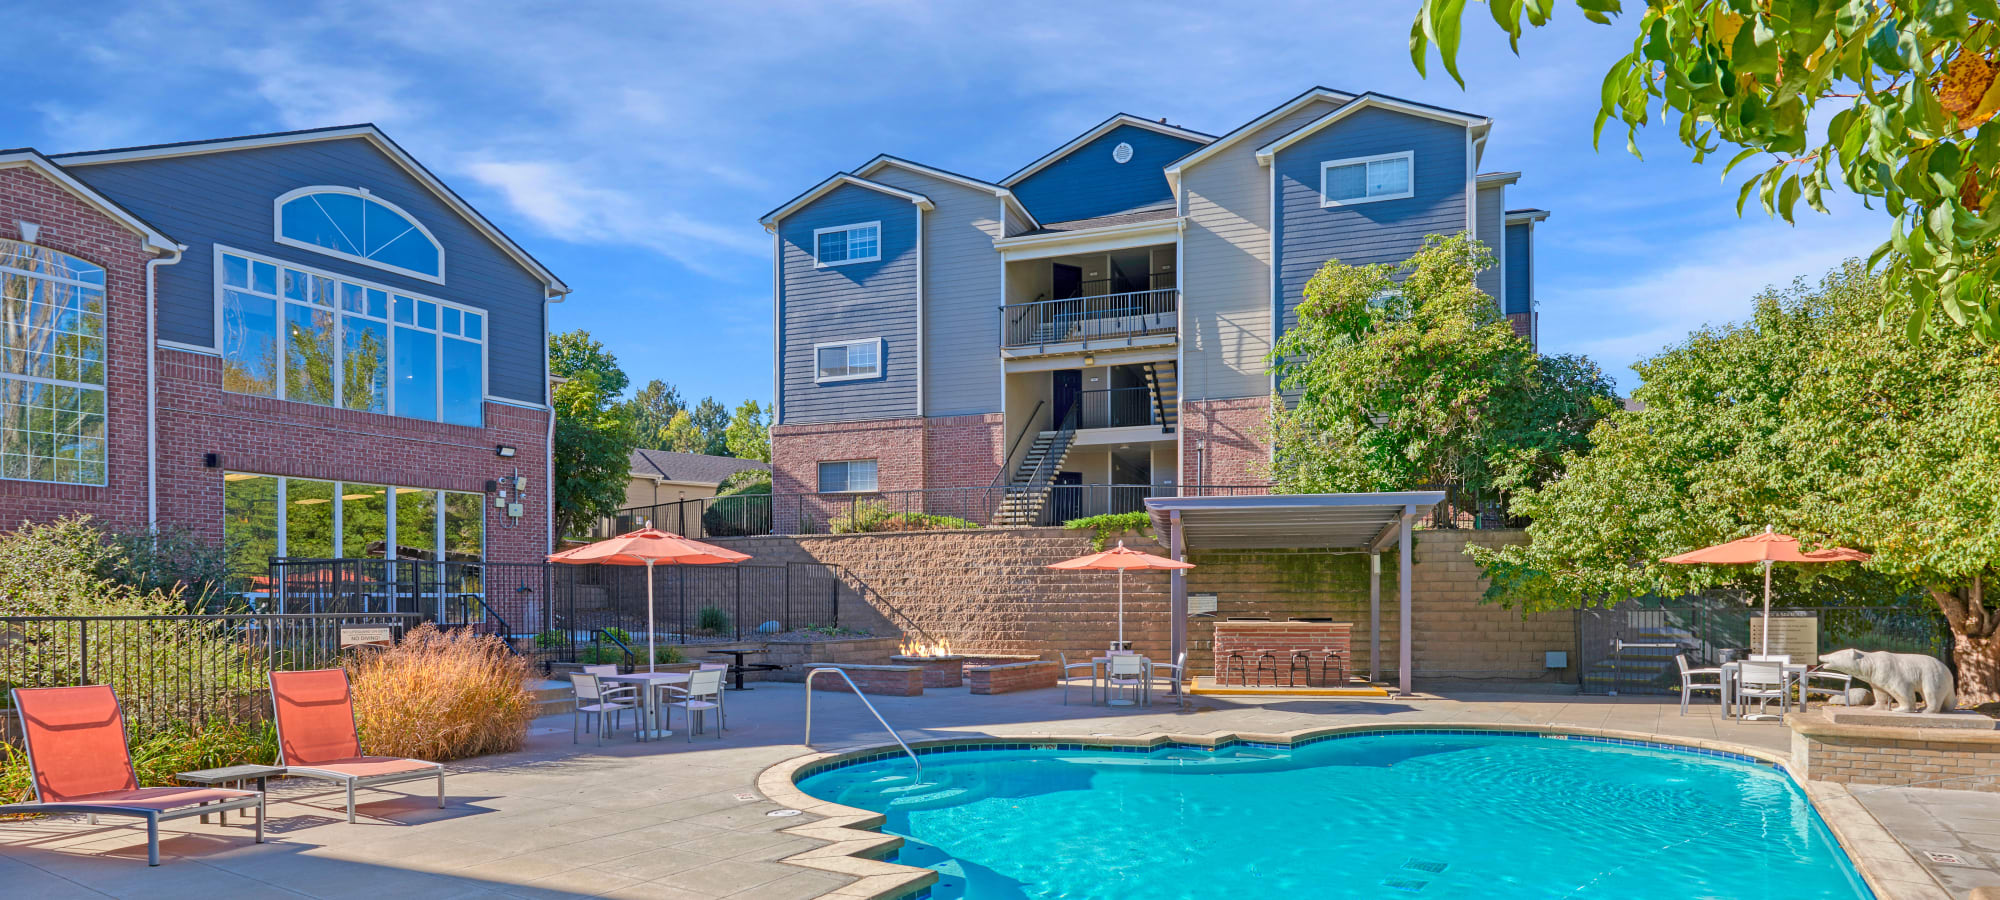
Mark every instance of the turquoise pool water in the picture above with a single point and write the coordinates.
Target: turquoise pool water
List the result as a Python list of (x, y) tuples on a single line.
[(1393, 815)]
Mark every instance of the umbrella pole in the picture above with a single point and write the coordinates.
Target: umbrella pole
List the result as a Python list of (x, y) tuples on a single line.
[(1121, 609), (1767, 608), (649, 616)]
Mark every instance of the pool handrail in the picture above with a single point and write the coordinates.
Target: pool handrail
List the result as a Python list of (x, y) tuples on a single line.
[(864, 702)]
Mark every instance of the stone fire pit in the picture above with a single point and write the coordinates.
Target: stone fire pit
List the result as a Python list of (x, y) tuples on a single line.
[(939, 671)]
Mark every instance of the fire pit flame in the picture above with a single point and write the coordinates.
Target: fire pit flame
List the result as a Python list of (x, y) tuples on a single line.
[(911, 647)]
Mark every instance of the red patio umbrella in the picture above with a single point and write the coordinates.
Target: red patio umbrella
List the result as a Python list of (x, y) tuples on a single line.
[(1121, 558), (1765, 549), (646, 547)]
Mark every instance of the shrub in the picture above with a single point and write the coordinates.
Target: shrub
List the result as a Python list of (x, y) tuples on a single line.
[(441, 696), (172, 560), (1108, 524), (869, 516), (739, 511), (711, 620), (550, 640), (610, 654)]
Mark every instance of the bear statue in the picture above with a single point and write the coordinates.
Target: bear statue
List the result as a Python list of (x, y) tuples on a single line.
[(1900, 677)]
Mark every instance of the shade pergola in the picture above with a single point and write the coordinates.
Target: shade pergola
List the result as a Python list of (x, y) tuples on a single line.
[(1354, 523)]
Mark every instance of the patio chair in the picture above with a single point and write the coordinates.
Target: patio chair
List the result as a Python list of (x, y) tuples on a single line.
[(680, 692), (703, 693), (317, 738), (1126, 671), (1173, 675), (594, 700), (1763, 681), (1844, 680), (1689, 685), (1088, 669), (78, 763), (1783, 659)]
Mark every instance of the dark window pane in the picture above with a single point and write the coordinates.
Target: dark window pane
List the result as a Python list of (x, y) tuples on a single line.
[(416, 373), (464, 384), (308, 518)]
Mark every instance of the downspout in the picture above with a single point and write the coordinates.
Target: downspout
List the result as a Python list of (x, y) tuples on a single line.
[(549, 434), (153, 386)]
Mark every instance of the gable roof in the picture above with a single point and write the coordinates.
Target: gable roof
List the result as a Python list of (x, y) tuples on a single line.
[(364, 131), (1248, 128), (1372, 100), (1101, 129), (770, 219), (151, 237), (1006, 196), (693, 468), (1149, 214), (1526, 215)]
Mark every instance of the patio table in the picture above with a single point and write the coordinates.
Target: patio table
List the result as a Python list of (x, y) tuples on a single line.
[(649, 684), (1731, 674), (737, 667), (240, 776), (1097, 673)]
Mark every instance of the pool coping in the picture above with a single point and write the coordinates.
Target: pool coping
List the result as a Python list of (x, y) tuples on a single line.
[(854, 848)]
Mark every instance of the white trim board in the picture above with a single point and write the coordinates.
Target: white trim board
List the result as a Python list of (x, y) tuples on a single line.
[(1006, 196), (1173, 172), (1409, 158), (881, 360), (278, 229), (1115, 237), (366, 132), (152, 240), (849, 230), (770, 219), (1370, 101), (1103, 128)]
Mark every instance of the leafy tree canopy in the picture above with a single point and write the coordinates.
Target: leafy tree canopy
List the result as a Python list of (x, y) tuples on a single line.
[(682, 436), (1888, 97), (749, 432), (712, 419), (593, 439), (1407, 374), (652, 408)]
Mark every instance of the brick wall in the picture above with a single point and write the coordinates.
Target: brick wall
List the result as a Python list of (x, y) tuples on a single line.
[(1234, 441), (963, 451), (892, 681), (1006, 679), (276, 437), (939, 671), (77, 228), (1868, 755), (1328, 657)]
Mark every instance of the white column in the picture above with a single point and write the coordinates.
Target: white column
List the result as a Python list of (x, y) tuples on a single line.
[(1374, 616), (1403, 600), (1177, 608)]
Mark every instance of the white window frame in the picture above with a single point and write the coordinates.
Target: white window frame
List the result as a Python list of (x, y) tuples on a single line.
[(881, 357), (278, 230), (340, 334), (821, 264), (104, 388), (819, 475), (1408, 156)]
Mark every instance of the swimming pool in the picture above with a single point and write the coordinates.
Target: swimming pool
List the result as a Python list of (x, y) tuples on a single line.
[(1407, 814)]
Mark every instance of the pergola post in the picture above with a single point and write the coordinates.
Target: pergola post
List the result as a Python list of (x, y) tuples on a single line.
[(1403, 600), (1177, 607), (1374, 616)]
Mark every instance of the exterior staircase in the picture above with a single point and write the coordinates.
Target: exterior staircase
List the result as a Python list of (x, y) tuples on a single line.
[(1162, 382), (1640, 670), (1028, 491)]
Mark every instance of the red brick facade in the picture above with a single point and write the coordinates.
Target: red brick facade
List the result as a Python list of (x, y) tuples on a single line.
[(1011, 677), (1225, 442), (195, 417), (79, 229), (910, 454), (963, 451)]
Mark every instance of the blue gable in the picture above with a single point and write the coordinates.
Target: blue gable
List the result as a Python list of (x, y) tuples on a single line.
[(874, 300), (225, 197), (1520, 272), (1089, 182)]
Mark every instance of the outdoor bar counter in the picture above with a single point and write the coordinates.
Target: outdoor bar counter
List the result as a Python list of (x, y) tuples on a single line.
[(1257, 652)]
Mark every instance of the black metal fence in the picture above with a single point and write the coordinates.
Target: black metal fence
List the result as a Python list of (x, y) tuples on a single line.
[(553, 609), (171, 670), (1630, 649)]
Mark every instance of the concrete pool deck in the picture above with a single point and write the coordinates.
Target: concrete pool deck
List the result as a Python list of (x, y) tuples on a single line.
[(685, 820)]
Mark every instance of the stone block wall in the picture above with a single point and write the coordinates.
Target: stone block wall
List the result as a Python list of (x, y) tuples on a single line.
[(1930, 757), (1006, 679), (892, 681), (1454, 635)]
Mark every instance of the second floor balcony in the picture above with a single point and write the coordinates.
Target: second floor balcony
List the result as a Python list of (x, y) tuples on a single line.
[(1123, 319)]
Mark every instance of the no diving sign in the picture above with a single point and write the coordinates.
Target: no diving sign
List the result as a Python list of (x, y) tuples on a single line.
[(366, 636)]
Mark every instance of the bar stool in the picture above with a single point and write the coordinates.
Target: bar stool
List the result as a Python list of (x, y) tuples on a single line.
[(1236, 658), (1301, 661), (1267, 657), (1335, 660)]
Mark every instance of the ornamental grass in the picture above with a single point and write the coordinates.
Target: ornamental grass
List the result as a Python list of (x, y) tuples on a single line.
[(441, 696)]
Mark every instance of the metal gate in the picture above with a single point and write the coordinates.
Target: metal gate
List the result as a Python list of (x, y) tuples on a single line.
[(1630, 649)]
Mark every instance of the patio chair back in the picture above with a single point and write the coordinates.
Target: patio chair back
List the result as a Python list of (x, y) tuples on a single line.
[(76, 741), (713, 667), (1681, 659), (587, 688), (603, 670), (1782, 658), (1761, 674), (1126, 666), (315, 717), (704, 683)]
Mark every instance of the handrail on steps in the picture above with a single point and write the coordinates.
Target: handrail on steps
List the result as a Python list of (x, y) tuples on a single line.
[(864, 702)]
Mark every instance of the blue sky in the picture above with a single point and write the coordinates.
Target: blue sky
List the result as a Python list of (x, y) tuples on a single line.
[(632, 146)]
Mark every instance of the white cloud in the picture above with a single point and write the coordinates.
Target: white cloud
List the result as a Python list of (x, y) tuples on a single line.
[(308, 92), (569, 207)]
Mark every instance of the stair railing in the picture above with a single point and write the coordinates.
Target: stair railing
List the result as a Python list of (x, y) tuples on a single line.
[(1159, 397), (1000, 480), (864, 702)]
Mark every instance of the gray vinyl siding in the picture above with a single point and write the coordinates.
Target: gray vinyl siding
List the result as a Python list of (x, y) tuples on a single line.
[(226, 198), (961, 294), (1016, 223), (1384, 231), (1490, 218), (1087, 182), (849, 302), (1520, 268), (1225, 266)]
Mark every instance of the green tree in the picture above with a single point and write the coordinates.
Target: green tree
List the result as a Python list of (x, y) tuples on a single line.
[(749, 433), (593, 439), (1407, 374), (1807, 418), (712, 418), (682, 436), (1889, 97), (652, 407)]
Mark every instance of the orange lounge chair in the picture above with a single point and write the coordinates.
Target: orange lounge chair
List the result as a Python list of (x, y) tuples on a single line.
[(78, 760), (317, 737)]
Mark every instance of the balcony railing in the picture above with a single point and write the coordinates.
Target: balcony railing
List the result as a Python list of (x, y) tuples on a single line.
[(1103, 318), (1116, 408)]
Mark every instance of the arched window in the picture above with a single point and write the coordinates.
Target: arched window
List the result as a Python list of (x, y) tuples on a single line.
[(51, 366), (355, 225)]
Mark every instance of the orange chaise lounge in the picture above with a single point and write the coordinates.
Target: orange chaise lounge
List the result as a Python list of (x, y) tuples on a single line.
[(317, 737), (79, 763)]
